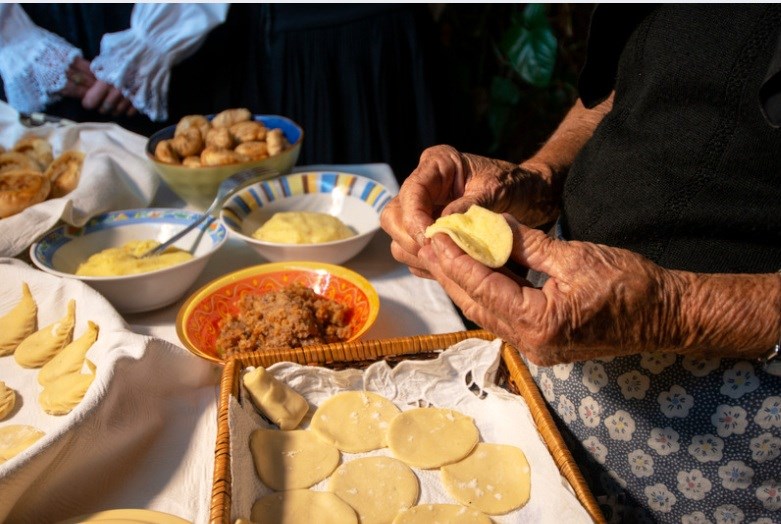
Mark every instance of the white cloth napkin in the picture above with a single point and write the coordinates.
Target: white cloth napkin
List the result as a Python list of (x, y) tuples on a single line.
[(142, 437), (501, 417), (116, 175)]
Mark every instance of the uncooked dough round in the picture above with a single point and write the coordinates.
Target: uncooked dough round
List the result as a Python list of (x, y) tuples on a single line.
[(302, 506), (494, 478), (377, 488), (286, 460), (354, 421), (482, 234), (432, 437), (441, 514), (16, 438)]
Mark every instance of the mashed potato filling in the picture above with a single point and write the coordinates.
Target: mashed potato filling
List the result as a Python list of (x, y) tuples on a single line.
[(302, 227), (126, 260)]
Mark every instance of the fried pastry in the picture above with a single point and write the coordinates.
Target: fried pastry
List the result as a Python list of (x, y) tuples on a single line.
[(188, 122), (219, 138), (165, 152), (187, 143), (21, 189), (248, 131), (64, 173), (276, 142), (219, 157), (231, 116), (192, 161), (37, 148), (252, 150), (14, 161)]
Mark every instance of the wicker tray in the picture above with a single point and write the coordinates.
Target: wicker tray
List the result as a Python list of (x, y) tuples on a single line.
[(513, 375)]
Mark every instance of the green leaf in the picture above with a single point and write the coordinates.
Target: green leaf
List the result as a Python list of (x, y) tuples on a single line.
[(530, 46), (505, 91)]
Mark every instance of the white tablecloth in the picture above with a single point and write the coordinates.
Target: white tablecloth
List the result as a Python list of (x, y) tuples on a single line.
[(172, 472)]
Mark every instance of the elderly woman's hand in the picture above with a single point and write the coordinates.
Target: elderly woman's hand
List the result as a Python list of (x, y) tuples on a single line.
[(447, 181), (599, 301)]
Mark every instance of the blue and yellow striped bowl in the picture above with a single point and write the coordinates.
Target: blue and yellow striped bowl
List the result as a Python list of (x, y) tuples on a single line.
[(355, 200)]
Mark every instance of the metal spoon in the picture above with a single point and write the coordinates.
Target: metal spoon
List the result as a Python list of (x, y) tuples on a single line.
[(227, 188)]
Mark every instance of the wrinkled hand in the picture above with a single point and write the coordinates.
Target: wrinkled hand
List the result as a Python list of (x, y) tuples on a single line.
[(599, 301), (445, 182), (107, 99), (79, 79)]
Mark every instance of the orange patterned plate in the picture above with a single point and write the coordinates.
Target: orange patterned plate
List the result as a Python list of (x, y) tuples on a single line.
[(198, 321)]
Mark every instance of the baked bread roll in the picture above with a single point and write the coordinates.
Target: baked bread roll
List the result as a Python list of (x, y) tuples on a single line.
[(37, 148), (21, 189), (64, 173), (14, 161)]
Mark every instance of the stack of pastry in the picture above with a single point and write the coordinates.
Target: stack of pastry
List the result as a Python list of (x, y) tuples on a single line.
[(29, 174), (231, 137)]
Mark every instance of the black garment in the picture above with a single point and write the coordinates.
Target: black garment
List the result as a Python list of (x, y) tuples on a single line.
[(353, 75), (685, 169)]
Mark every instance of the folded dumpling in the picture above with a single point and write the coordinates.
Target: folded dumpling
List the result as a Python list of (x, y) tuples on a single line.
[(19, 323), (64, 393), (40, 347), (71, 358)]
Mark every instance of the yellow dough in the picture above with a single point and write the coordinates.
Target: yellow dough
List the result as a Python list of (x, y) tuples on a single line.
[(354, 421), (7, 400), (19, 323), (16, 438), (482, 234), (71, 358), (302, 506), (40, 347), (441, 514), (377, 488), (432, 437), (296, 459), (302, 227), (494, 479), (280, 403), (63, 394)]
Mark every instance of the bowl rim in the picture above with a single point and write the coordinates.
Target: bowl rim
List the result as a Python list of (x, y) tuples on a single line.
[(334, 243), (157, 136), (221, 281), (59, 229)]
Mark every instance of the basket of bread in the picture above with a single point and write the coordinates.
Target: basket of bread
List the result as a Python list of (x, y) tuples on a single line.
[(30, 173)]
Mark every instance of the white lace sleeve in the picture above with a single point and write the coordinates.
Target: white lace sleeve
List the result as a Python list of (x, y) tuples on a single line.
[(138, 61), (33, 61)]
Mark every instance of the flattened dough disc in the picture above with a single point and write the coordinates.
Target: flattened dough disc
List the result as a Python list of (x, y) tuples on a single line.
[(482, 234), (432, 437), (494, 479), (302, 506)]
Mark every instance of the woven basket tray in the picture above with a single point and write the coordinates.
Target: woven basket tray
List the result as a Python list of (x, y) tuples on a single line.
[(513, 375)]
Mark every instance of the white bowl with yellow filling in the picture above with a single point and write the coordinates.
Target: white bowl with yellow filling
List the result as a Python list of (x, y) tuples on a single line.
[(105, 253), (321, 216)]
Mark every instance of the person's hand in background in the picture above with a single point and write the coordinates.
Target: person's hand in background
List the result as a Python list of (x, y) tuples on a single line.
[(107, 100), (79, 79)]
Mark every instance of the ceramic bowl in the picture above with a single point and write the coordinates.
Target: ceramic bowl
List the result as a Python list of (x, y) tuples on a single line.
[(357, 201), (62, 249), (198, 321), (197, 186)]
